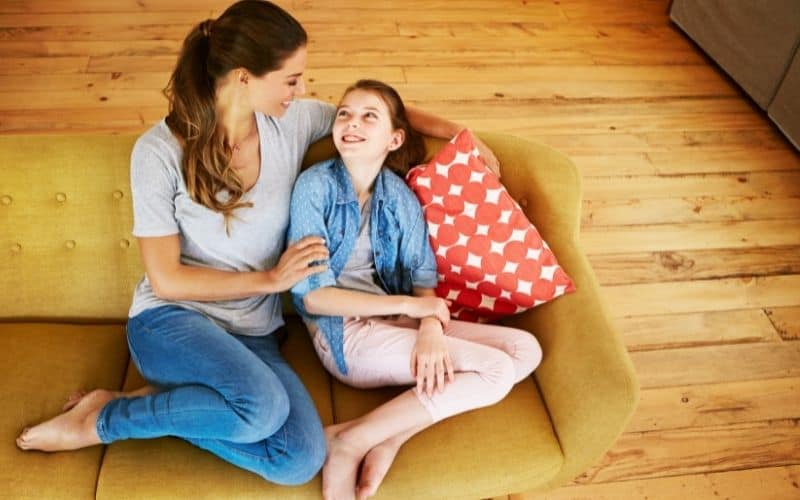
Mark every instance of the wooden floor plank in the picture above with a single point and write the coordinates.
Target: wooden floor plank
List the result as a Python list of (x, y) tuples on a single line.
[(704, 295), (668, 331), (27, 66), (744, 160), (100, 119), (717, 404), (786, 321), (676, 452), (782, 183), (688, 265), (776, 483), (639, 211), (691, 212), (664, 141), (693, 236), (716, 364)]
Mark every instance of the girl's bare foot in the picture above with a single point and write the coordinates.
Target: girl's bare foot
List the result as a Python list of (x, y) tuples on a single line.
[(376, 464), (71, 430), (341, 467)]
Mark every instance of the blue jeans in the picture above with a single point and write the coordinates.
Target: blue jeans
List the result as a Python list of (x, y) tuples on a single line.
[(232, 395)]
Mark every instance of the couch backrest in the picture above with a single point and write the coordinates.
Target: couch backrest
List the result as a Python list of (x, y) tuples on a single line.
[(65, 214), (66, 218)]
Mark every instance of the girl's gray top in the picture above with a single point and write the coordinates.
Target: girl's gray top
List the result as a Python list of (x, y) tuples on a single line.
[(359, 272), (162, 207)]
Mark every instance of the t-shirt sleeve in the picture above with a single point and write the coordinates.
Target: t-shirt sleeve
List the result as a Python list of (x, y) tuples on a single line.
[(319, 116), (153, 189)]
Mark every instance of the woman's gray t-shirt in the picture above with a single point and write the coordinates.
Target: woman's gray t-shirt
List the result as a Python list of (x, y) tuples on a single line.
[(162, 207)]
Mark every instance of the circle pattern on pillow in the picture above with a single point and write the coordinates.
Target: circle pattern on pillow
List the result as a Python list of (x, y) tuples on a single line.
[(491, 261)]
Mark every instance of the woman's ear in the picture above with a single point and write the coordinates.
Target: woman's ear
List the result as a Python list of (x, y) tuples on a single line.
[(398, 138)]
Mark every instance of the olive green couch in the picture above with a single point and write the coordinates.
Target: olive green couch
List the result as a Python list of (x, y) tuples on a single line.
[(69, 265)]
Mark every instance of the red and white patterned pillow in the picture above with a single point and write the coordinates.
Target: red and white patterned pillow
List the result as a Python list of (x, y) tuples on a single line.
[(491, 260)]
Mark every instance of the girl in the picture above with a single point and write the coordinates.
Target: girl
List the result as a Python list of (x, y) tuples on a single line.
[(211, 188), (372, 313)]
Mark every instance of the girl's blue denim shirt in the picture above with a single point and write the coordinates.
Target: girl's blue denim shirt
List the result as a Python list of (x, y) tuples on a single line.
[(324, 203)]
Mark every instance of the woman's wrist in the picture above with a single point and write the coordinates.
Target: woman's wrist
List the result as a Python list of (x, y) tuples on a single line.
[(267, 283)]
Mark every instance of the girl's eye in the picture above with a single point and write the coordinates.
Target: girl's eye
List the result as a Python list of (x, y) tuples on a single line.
[(341, 113), (370, 114)]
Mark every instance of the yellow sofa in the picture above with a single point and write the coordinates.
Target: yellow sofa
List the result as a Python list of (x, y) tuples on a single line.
[(69, 265)]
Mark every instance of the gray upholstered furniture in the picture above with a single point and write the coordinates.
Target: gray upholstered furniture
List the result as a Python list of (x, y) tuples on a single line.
[(756, 43)]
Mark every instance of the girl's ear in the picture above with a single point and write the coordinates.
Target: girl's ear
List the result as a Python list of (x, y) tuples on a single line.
[(398, 137)]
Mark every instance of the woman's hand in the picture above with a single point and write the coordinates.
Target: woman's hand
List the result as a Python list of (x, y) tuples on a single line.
[(430, 360), (488, 156), (295, 263), (421, 307)]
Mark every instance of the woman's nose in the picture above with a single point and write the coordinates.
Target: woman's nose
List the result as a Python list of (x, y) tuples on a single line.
[(301, 87)]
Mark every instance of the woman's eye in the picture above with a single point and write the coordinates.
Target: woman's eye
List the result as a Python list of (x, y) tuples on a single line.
[(293, 83)]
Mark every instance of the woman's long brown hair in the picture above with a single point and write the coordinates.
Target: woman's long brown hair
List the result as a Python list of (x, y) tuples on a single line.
[(252, 34)]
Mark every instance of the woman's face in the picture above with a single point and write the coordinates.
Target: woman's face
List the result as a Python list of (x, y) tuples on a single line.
[(363, 127), (272, 93)]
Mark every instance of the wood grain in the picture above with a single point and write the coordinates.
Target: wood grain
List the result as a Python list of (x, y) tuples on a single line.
[(691, 197)]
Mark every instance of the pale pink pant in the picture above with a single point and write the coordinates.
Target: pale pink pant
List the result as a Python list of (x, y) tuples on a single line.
[(487, 359)]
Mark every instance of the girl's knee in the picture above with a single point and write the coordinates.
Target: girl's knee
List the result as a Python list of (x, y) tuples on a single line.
[(530, 352), (501, 377)]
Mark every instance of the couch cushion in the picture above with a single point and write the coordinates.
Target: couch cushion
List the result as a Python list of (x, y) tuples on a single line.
[(176, 469), (489, 452), (42, 364)]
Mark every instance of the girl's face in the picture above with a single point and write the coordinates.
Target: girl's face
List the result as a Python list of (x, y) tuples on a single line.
[(363, 128), (272, 93)]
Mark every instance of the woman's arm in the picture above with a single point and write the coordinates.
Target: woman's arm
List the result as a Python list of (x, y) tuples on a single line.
[(434, 126), (431, 125), (172, 280), (333, 301)]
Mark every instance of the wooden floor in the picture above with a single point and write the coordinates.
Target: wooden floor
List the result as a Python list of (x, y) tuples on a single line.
[(691, 211)]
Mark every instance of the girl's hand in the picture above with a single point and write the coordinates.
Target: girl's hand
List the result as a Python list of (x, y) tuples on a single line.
[(430, 361), (488, 156), (421, 307), (294, 264)]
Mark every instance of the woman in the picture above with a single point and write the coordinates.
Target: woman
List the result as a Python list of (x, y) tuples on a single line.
[(211, 189)]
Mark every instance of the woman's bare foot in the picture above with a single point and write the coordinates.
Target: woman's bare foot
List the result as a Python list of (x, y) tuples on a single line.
[(376, 464), (73, 399), (71, 430), (340, 471), (76, 396)]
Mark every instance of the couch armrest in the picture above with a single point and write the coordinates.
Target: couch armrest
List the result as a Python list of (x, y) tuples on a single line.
[(586, 378)]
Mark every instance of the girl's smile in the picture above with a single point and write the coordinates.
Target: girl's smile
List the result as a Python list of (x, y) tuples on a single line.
[(363, 129)]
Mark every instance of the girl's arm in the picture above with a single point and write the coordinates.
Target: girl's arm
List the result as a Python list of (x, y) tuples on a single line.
[(430, 360), (434, 126), (333, 301), (172, 280)]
